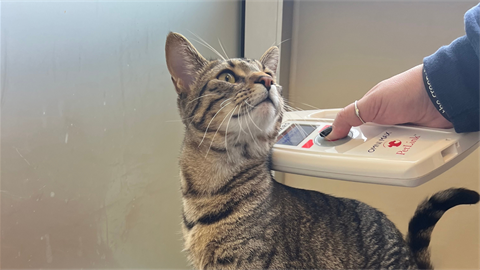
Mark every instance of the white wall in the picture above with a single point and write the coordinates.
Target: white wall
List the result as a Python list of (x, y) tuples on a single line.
[(343, 48), (90, 131)]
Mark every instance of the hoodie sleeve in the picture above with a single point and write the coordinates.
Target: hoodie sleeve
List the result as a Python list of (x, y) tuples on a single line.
[(451, 77)]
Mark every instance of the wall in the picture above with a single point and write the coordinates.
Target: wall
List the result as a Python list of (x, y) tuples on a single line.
[(341, 49), (90, 132)]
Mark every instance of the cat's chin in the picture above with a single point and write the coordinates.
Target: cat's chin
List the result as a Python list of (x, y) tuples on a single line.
[(265, 114)]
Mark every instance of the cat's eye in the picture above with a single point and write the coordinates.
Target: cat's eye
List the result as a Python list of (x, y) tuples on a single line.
[(226, 76)]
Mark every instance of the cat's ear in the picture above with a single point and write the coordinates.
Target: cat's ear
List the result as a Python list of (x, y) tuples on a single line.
[(270, 58), (183, 61)]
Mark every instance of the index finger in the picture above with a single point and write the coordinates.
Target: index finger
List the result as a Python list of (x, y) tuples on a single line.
[(344, 121)]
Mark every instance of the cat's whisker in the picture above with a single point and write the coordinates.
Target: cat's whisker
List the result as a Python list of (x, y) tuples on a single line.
[(225, 101), (245, 109), (198, 98), (249, 104), (293, 110), (205, 134), (240, 123), (281, 42), (207, 45), (213, 139), (289, 102), (253, 138), (278, 45), (310, 106), (298, 109), (248, 126), (288, 108), (248, 112), (210, 48), (223, 49), (226, 131)]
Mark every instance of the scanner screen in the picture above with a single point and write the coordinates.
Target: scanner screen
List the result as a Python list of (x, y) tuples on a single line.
[(295, 134)]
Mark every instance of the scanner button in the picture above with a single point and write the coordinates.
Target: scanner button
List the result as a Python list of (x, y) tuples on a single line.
[(308, 144), (320, 141)]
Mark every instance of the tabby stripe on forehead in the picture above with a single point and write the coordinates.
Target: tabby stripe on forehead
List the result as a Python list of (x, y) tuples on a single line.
[(231, 63)]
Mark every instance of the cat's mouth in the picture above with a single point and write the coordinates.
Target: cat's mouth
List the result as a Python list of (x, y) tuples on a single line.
[(268, 99), (251, 108)]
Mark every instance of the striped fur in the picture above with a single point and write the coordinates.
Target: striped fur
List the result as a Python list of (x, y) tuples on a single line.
[(236, 216)]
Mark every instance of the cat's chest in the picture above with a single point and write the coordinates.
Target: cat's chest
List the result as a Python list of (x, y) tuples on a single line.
[(202, 243)]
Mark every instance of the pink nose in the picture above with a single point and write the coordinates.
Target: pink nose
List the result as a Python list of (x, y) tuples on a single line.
[(267, 81)]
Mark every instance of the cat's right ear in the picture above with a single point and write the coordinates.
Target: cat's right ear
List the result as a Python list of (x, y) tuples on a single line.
[(183, 61)]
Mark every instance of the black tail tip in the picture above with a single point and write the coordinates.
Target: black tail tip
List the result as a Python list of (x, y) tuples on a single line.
[(471, 196), (455, 196)]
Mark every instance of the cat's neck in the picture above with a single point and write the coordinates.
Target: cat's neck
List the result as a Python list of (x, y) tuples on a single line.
[(205, 169)]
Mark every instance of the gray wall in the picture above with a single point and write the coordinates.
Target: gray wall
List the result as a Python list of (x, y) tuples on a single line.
[(341, 49), (90, 133)]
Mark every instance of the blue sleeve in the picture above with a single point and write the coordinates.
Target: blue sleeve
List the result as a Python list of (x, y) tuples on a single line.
[(451, 77)]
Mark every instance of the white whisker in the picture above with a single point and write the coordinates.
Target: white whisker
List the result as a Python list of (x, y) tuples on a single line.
[(249, 104), (211, 122), (240, 123), (224, 101), (206, 45), (293, 110), (278, 45), (226, 131), (310, 106), (283, 42), (198, 98), (251, 134), (213, 139), (301, 129), (221, 46), (248, 112)]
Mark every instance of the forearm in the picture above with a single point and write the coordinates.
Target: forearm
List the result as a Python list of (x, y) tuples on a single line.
[(451, 77)]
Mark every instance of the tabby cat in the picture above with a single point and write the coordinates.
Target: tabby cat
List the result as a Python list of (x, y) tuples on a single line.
[(236, 216)]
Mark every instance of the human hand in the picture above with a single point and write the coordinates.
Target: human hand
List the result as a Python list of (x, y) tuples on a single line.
[(397, 100)]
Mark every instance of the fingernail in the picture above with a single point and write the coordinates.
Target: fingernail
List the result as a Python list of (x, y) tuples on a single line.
[(325, 132)]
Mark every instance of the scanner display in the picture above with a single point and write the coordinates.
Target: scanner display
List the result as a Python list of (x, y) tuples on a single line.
[(295, 134)]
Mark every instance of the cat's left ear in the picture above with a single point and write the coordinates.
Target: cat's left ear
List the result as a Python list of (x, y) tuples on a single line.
[(183, 62), (270, 58)]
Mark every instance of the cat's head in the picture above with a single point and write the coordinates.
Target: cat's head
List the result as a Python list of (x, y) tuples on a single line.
[(231, 105)]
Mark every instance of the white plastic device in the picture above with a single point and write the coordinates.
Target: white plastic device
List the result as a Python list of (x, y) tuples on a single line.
[(400, 155)]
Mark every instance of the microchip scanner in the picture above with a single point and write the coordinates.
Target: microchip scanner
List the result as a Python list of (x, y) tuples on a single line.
[(399, 155)]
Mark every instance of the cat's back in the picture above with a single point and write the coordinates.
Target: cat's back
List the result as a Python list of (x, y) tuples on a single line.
[(338, 232)]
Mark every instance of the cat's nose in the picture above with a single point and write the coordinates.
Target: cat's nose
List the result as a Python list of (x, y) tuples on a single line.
[(267, 81)]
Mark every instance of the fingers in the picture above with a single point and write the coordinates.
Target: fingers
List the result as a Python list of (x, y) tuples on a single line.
[(343, 122)]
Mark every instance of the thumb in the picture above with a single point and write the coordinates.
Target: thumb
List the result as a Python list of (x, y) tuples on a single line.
[(343, 122)]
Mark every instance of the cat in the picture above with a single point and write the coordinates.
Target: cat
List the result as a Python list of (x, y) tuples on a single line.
[(236, 216)]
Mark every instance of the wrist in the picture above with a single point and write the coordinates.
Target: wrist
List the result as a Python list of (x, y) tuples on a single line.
[(433, 96)]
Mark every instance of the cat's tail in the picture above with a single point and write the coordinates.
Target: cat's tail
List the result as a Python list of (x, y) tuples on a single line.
[(427, 215)]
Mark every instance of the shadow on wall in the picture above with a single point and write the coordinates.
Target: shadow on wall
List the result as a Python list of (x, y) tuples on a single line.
[(90, 132)]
